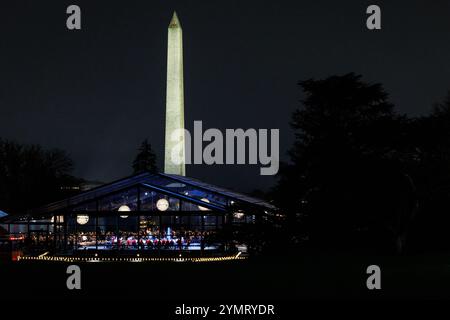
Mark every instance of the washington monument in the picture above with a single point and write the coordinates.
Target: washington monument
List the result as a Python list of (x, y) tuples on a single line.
[(174, 100)]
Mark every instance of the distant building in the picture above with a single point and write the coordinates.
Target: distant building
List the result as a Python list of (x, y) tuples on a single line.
[(83, 186)]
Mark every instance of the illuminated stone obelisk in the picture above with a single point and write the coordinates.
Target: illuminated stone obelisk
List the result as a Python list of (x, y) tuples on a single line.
[(174, 100)]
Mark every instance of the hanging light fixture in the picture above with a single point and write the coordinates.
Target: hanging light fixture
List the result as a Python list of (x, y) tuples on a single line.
[(238, 215), (162, 204), (203, 208), (124, 208), (82, 219)]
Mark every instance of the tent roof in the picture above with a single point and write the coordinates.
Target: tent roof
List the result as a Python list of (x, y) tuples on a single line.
[(223, 191), (164, 183)]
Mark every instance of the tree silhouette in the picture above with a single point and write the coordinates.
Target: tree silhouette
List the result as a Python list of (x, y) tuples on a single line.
[(31, 176), (431, 171), (145, 159), (346, 179)]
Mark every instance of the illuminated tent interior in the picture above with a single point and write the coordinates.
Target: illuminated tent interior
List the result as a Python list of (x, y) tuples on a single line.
[(147, 212)]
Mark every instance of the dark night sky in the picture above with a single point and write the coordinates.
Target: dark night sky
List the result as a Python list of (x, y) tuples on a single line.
[(98, 92)]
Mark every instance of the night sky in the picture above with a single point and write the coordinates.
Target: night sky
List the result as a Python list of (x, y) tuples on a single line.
[(100, 91)]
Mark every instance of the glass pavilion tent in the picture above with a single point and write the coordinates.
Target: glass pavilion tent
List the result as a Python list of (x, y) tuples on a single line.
[(145, 212)]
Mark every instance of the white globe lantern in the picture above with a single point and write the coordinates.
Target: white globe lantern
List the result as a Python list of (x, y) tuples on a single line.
[(203, 208), (124, 208), (162, 204), (82, 219)]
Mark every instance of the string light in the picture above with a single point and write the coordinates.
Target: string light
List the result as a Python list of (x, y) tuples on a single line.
[(89, 259)]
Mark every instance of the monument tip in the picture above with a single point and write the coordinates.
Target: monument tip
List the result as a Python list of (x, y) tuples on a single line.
[(174, 23)]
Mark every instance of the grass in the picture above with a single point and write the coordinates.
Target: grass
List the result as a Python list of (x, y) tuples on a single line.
[(304, 276)]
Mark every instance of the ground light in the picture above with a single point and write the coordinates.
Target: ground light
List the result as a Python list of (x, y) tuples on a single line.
[(128, 259)]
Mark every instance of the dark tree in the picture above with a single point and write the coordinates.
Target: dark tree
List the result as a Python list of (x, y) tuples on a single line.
[(347, 181), (431, 136), (31, 176), (145, 159)]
